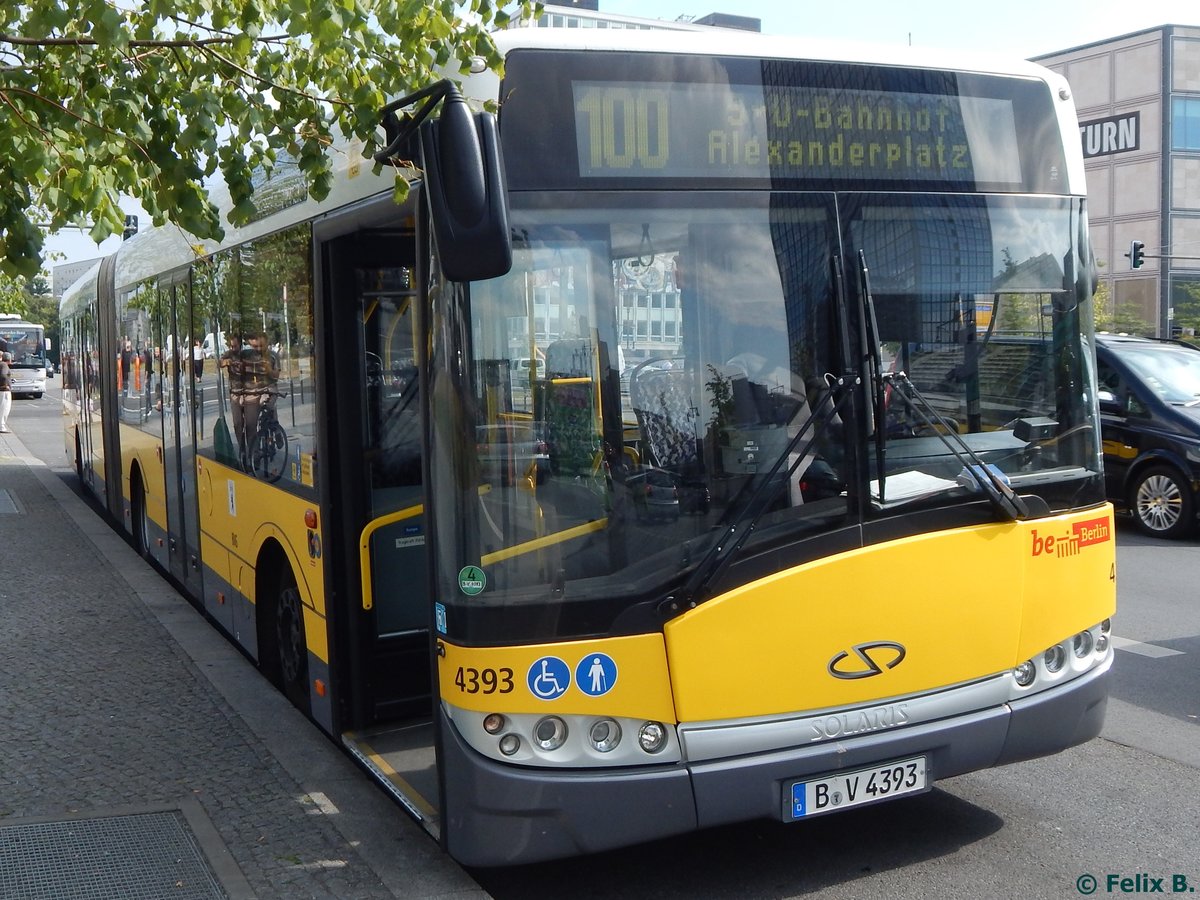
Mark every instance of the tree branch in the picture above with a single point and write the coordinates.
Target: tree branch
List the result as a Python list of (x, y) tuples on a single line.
[(271, 84), (74, 115), (89, 42)]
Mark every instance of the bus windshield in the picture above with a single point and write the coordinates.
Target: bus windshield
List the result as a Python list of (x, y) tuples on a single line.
[(657, 364), (26, 344)]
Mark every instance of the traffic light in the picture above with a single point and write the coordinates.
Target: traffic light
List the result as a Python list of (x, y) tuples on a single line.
[(1137, 254), (131, 227)]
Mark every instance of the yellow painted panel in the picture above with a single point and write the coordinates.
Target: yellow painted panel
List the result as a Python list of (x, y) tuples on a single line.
[(1070, 578), (1120, 450), (216, 558), (240, 512), (964, 604), (641, 688)]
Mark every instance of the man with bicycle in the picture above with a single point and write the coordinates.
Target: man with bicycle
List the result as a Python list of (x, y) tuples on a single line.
[(253, 375)]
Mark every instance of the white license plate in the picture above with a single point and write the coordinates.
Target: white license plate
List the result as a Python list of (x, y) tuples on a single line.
[(858, 788)]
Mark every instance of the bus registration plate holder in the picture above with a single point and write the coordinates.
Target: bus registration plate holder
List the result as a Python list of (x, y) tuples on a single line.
[(844, 790)]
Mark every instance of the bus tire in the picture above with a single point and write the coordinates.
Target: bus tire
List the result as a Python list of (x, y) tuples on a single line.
[(283, 646), (1160, 498), (140, 521)]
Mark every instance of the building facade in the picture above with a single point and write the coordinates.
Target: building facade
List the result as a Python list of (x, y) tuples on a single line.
[(65, 275), (587, 14), (1138, 99)]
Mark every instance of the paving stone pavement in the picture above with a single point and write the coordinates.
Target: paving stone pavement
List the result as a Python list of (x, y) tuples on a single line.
[(115, 693)]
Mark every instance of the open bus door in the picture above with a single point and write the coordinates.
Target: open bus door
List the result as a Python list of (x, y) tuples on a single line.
[(383, 626), (373, 339)]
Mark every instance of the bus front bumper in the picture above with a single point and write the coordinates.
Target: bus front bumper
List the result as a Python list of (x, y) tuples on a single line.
[(503, 815)]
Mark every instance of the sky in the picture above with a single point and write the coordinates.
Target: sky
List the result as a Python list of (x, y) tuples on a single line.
[(1023, 28), (1020, 28)]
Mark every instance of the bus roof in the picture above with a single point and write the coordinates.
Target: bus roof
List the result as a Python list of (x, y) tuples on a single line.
[(734, 42), (160, 250)]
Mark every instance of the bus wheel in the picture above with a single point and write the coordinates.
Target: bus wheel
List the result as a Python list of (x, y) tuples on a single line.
[(141, 522), (1160, 499), (290, 644)]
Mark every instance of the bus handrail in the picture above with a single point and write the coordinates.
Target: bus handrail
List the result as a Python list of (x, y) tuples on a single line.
[(364, 548)]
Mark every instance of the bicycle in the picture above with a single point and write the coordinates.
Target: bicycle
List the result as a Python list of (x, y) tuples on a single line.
[(268, 452)]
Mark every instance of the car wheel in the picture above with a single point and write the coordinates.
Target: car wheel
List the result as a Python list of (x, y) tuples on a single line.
[(1160, 499)]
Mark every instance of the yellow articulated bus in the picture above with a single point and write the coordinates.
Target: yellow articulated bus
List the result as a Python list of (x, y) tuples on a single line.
[(710, 436)]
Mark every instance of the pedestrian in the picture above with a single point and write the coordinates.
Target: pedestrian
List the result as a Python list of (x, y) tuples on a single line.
[(5, 390), (148, 374), (125, 358), (260, 372), (197, 360), (234, 362)]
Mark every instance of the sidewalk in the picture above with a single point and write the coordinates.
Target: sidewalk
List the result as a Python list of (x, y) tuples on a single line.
[(142, 756)]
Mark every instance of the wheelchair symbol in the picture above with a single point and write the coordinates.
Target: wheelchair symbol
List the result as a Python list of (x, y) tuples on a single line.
[(549, 678)]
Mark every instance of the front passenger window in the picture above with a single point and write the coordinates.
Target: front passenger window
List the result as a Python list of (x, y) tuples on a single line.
[(1134, 406)]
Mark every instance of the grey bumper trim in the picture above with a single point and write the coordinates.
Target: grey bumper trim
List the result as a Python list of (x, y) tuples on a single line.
[(721, 740)]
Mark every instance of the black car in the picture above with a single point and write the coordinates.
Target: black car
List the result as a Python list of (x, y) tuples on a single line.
[(1149, 394)]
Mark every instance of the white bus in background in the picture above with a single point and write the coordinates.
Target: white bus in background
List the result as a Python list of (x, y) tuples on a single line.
[(214, 344), (28, 345)]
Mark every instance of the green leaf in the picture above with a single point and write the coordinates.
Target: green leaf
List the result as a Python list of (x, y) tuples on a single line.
[(101, 122), (242, 45)]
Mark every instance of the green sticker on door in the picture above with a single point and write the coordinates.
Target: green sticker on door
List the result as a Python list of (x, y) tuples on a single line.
[(471, 580)]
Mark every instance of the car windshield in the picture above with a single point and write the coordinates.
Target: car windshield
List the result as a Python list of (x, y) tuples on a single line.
[(660, 369), (1171, 372)]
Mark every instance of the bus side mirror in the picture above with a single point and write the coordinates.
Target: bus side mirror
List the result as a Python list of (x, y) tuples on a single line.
[(468, 195)]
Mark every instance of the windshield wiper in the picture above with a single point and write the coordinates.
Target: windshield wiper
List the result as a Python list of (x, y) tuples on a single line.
[(869, 334), (1003, 497), (990, 481), (725, 548)]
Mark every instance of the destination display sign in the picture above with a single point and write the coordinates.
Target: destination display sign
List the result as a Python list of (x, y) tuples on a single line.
[(754, 131), (620, 121)]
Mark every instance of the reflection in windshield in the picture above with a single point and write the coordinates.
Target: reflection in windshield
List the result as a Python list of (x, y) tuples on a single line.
[(639, 380), (976, 308)]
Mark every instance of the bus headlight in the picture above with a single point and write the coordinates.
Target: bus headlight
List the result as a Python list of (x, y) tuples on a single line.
[(550, 733), (604, 735), (1059, 664), (510, 744), (652, 736), (567, 740), (1083, 644), (1025, 673), (1055, 658)]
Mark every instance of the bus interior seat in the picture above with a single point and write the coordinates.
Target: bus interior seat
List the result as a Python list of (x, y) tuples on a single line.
[(663, 403)]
